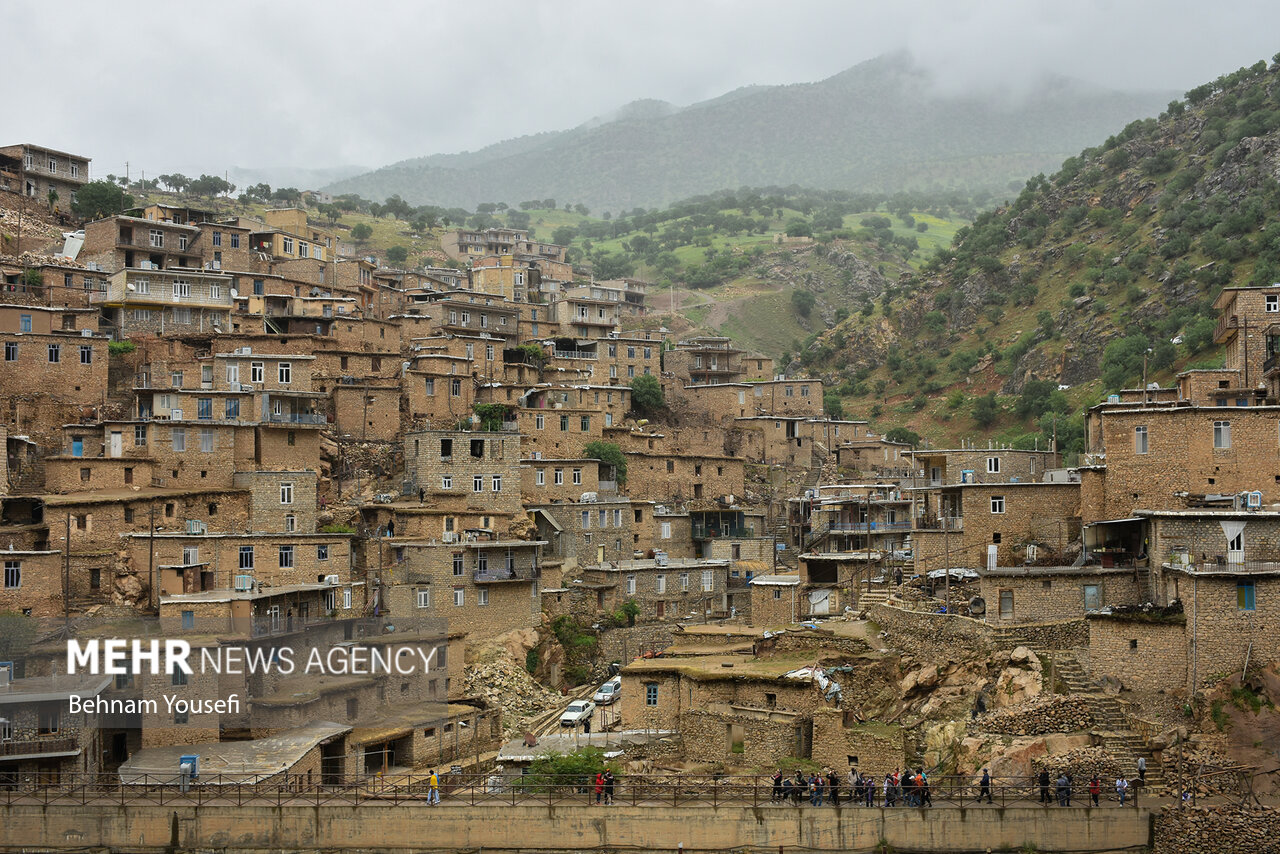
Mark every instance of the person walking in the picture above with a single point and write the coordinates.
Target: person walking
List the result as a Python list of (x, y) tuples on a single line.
[(855, 786), (776, 795), (984, 786), (599, 787), (925, 799), (869, 788), (815, 790), (433, 788), (833, 786), (1122, 788), (1142, 770), (608, 787), (800, 788), (1064, 798), (888, 789), (1044, 786), (1095, 789)]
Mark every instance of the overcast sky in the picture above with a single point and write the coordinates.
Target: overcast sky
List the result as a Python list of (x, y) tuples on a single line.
[(207, 87)]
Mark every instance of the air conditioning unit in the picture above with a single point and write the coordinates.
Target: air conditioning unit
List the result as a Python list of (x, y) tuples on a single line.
[(246, 387), (244, 582), (195, 526), (332, 580), (449, 537), (1254, 501), (175, 414), (86, 333)]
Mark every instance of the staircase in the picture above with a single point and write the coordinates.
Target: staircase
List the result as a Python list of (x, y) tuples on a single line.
[(1109, 721), (874, 597)]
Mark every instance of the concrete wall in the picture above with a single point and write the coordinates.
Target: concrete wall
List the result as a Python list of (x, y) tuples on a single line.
[(173, 826)]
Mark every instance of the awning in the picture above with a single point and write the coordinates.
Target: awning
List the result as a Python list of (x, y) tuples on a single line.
[(1116, 521), (550, 519)]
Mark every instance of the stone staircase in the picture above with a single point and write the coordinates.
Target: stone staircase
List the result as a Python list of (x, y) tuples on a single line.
[(1110, 724), (874, 597)]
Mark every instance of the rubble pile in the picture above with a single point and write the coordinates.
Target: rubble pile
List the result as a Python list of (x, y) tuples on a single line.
[(1040, 716), (505, 685), (1080, 765)]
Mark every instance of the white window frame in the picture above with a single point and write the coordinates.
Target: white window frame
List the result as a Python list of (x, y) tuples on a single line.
[(993, 465), (424, 598), (286, 492), (284, 373), (1221, 435), (997, 504), (1141, 440), (257, 370), (708, 580), (459, 597)]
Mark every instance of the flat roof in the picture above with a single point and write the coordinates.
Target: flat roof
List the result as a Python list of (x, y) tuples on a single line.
[(40, 688), (230, 761)]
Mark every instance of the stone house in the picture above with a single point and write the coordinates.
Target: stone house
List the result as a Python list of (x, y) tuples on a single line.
[(1044, 594), (705, 360), (775, 600), (43, 737), (952, 466), (34, 171), (664, 589), (476, 470)]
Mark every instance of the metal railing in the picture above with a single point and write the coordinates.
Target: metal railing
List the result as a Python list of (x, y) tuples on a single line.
[(502, 573), (36, 747), (575, 354), (941, 523), (649, 790), (712, 532), (297, 418)]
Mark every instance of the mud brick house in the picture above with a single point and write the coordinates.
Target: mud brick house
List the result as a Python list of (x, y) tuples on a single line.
[(43, 738), (993, 524), (706, 360), (664, 589), (35, 171), (54, 365), (948, 467), (775, 600), (466, 470)]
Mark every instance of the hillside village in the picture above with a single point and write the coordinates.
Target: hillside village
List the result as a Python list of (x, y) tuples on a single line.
[(237, 430)]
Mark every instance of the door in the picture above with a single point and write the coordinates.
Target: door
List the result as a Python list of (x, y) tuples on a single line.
[(117, 443), (819, 602), (1006, 604), (77, 446), (1092, 597), (599, 555), (1235, 548)]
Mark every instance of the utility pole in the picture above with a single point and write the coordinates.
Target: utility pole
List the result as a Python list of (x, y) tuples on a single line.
[(946, 547), (66, 575), (151, 556)]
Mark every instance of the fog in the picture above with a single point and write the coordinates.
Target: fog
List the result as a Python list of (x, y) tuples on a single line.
[(161, 86)]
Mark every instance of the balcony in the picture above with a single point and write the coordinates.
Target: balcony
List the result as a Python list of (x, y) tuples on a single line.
[(1269, 363), (575, 354), (297, 418), (1221, 563), (497, 575), (714, 532), (1228, 323), (861, 527), (941, 523), (39, 747)]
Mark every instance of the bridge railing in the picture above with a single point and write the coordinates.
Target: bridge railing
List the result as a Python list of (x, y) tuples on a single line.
[(647, 789)]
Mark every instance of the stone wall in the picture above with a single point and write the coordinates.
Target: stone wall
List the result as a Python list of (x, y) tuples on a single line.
[(875, 748), (1223, 830), (1043, 715), (1057, 595), (935, 636), (1142, 655), (753, 738), (1063, 634)]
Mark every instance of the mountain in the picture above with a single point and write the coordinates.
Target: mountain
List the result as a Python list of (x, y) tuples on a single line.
[(1091, 279), (292, 176), (885, 124)]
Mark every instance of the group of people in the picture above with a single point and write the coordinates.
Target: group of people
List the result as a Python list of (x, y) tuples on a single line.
[(1062, 787), (911, 788)]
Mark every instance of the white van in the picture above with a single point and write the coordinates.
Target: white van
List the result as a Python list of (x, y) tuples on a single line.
[(609, 691)]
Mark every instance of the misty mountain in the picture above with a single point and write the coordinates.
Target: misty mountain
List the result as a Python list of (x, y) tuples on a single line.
[(886, 124), (292, 176)]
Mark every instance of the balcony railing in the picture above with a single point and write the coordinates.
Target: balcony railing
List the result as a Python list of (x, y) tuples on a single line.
[(497, 575), (1225, 323), (861, 527), (941, 523), (38, 747), (575, 354), (712, 532), (1270, 362), (1221, 563), (296, 418)]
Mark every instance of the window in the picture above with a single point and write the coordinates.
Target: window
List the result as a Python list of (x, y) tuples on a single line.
[(477, 483), (285, 373), (585, 423), (430, 387), (661, 581), (204, 408), (993, 465), (1245, 596), (424, 598), (666, 530), (286, 493), (1221, 435), (246, 557), (1139, 440), (577, 477), (75, 170), (684, 581), (564, 419), (455, 388), (346, 598), (559, 477), (287, 245), (1273, 303), (215, 291), (233, 408), (322, 551), (651, 694), (181, 289), (482, 596), (48, 720), (10, 351), (539, 421), (157, 238), (540, 477), (708, 580), (24, 323), (457, 563), (179, 676), (286, 557), (235, 241), (804, 391), (179, 435), (459, 597), (290, 523), (446, 481), (497, 483), (86, 354), (259, 287), (12, 574), (256, 372), (997, 504), (55, 353)]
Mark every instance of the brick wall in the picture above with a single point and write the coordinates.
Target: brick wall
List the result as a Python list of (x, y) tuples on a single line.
[(435, 458), (1042, 596)]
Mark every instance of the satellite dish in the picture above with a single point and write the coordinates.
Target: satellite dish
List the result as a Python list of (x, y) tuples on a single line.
[(235, 294), (130, 287)]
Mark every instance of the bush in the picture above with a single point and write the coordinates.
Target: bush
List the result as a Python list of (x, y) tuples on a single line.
[(610, 454), (646, 394), (803, 302), (986, 410), (120, 348)]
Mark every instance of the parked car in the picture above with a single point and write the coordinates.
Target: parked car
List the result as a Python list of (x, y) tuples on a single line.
[(609, 691), (578, 712)]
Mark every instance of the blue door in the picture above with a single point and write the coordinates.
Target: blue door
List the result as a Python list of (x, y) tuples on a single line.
[(77, 446)]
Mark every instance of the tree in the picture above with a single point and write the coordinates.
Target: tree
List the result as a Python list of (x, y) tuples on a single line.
[(803, 301), (903, 435), (646, 394), (799, 228), (564, 235), (99, 199), (986, 410), (53, 199), (610, 454), (832, 405), (361, 231), (16, 634), (397, 255)]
